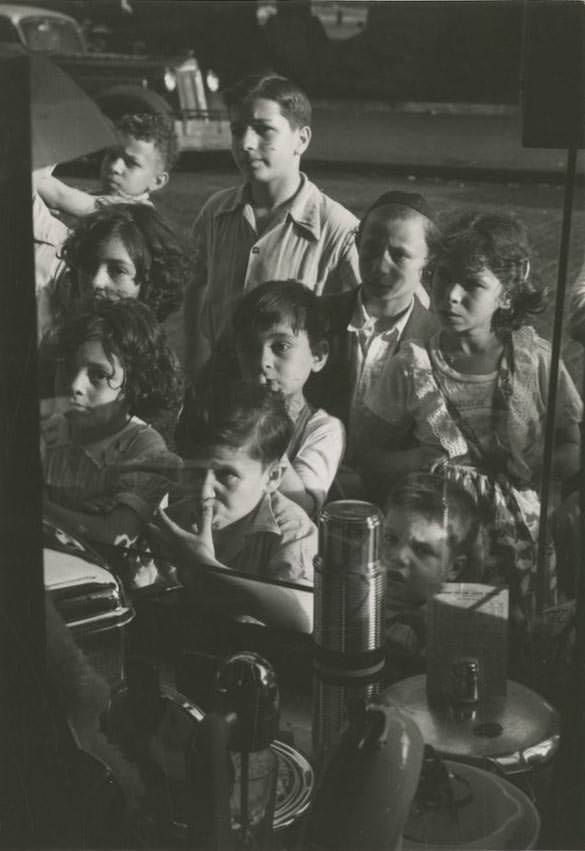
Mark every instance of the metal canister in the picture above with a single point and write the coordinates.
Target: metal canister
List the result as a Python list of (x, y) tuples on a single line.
[(348, 631), (464, 685)]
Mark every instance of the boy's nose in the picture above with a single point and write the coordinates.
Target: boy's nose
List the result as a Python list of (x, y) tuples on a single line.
[(208, 485), (400, 558), (266, 361), (248, 139), (117, 164)]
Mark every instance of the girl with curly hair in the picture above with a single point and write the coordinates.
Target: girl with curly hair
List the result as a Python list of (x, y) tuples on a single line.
[(114, 366), (124, 251), (472, 402)]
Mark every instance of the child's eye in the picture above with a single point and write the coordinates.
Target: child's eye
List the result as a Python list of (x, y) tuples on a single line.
[(226, 478), (118, 270), (281, 348), (264, 129), (98, 376), (422, 550)]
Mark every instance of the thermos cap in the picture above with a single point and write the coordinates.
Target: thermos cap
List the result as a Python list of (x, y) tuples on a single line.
[(350, 534)]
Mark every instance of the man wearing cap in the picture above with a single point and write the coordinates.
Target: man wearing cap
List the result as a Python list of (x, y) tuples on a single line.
[(397, 241)]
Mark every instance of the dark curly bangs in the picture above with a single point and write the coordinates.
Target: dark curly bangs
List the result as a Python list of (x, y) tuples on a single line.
[(498, 241), (153, 247), (129, 330), (274, 302)]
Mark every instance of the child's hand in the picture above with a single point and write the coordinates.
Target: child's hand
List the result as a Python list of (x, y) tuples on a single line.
[(196, 545)]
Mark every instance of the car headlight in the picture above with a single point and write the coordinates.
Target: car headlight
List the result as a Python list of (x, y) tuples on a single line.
[(170, 79), (212, 81)]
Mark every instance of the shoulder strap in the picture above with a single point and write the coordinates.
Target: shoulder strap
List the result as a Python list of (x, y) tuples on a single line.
[(299, 431)]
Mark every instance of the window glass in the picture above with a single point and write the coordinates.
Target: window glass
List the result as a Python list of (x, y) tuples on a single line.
[(52, 36)]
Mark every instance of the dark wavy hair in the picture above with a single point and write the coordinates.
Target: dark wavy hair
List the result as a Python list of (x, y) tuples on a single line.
[(236, 414), (277, 301), (474, 240), (155, 128), (293, 102), (159, 256), (129, 330)]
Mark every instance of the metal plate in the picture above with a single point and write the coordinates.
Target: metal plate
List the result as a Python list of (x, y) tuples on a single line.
[(517, 731)]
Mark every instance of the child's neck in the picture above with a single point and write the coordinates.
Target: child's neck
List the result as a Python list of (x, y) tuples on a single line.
[(294, 405), (386, 308), (266, 197), (86, 435), (477, 351)]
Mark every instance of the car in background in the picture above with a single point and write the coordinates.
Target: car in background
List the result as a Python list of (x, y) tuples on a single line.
[(121, 83)]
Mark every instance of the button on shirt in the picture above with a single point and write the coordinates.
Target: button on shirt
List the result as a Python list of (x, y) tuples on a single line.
[(312, 241), (374, 341)]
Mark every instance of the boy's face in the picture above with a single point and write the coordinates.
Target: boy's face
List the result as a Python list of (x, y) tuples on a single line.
[(281, 358), (392, 253), (265, 147), (417, 551), (233, 480), (133, 168), (94, 385), (109, 271)]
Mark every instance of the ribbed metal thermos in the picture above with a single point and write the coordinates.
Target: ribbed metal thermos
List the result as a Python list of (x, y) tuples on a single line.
[(348, 629)]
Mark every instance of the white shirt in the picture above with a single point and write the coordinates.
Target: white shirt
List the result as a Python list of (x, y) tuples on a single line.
[(374, 340), (319, 453)]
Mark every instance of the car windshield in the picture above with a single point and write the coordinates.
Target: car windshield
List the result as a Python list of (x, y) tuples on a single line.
[(51, 36)]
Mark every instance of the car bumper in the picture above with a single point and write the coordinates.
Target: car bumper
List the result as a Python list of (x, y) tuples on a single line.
[(203, 134)]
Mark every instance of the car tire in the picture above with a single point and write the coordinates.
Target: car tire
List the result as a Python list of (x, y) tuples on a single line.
[(122, 100)]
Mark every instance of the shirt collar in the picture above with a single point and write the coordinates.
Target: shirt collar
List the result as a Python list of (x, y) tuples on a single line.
[(361, 320), (303, 209), (263, 519)]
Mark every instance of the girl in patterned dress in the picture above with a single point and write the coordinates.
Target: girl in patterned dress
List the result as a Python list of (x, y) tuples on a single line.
[(472, 402)]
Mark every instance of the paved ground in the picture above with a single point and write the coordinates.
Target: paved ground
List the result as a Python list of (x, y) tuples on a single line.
[(435, 135)]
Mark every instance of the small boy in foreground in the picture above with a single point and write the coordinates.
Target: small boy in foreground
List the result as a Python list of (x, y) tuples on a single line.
[(129, 173), (280, 337), (234, 449), (432, 535)]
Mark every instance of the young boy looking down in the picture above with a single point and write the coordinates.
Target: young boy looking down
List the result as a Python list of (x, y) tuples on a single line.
[(232, 513)]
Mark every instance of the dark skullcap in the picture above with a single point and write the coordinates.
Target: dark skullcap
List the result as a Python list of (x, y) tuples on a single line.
[(412, 200)]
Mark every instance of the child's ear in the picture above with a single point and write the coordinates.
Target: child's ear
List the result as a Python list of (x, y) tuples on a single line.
[(303, 137), (159, 181), (275, 475), (320, 355), (504, 301), (457, 568)]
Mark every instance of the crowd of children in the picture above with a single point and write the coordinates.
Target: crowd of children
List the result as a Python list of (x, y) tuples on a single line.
[(403, 336)]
